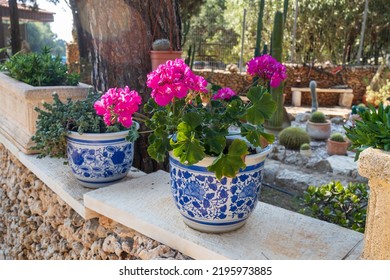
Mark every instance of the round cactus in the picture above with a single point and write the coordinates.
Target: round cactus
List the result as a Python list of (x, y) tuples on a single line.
[(293, 137), (161, 45), (305, 146), (317, 117), (337, 137)]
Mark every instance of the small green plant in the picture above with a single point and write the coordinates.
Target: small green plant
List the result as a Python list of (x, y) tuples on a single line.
[(305, 147), (161, 45), (40, 69), (373, 130), (334, 203), (337, 137), (293, 137), (317, 117), (57, 119)]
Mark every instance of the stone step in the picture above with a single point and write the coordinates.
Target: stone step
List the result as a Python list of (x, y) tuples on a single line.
[(145, 204)]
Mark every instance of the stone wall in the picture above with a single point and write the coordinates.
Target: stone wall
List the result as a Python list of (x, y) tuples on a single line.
[(35, 223), (356, 78)]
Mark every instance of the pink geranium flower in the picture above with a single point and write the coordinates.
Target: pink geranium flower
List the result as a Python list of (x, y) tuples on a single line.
[(118, 105), (267, 68), (224, 93), (173, 79)]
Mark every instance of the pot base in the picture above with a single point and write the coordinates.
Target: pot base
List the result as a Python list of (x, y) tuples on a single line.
[(212, 227), (100, 183)]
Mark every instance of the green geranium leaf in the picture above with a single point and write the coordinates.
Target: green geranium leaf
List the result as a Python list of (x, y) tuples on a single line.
[(256, 135), (187, 148), (262, 106), (158, 146), (192, 119), (229, 164), (215, 141)]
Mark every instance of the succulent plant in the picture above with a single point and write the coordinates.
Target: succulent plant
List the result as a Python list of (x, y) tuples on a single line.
[(161, 45), (313, 92), (305, 146), (317, 117), (337, 137), (293, 137)]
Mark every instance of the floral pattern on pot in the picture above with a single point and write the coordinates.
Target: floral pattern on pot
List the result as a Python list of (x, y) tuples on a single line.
[(212, 205), (98, 160)]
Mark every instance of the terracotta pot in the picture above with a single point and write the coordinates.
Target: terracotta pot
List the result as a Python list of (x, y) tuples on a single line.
[(337, 148), (160, 57), (319, 131)]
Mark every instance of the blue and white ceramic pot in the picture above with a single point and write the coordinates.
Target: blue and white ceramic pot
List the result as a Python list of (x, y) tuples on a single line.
[(211, 205), (99, 159)]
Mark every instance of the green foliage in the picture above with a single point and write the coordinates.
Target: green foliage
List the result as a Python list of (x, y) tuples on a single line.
[(373, 130), (337, 137), (40, 35), (317, 117), (195, 130), (57, 119), (334, 203), (358, 108), (293, 137), (305, 146), (40, 69)]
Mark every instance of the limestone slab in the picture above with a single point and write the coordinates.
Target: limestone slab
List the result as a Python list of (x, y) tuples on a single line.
[(342, 165), (58, 177), (145, 204)]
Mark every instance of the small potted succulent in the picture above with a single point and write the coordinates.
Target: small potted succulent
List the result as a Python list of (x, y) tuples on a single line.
[(318, 127), (305, 150), (95, 134), (337, 144), (162, 52)]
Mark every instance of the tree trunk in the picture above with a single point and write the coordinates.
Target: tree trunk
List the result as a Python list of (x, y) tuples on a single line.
[(16, 43), (119, 35)]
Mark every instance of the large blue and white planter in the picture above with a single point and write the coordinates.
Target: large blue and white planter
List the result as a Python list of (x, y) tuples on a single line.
[(211, 205), (99, 159)]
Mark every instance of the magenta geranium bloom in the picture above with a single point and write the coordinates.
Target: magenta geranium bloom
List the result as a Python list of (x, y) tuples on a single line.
[(118, 105), (173, 79), (267, 68), (224, 94)]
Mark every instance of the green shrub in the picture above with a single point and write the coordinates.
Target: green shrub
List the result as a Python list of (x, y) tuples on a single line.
[(305, 146), (373, 130), (40, 69), (334, 203), (317, 117), (337, 137), (293, 137)]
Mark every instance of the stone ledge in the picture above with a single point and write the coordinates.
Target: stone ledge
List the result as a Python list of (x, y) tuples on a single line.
[(374, 163), (144, 203)]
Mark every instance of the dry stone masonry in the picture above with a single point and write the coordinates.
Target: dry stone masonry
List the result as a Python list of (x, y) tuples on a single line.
[(35, 223)]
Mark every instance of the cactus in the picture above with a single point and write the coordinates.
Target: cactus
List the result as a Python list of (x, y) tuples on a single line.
[(293, 137), (305, 146), (337, 137), (313, 91), (161, 45), (285, 9), (259, 27), (317, 117), (276, 121)]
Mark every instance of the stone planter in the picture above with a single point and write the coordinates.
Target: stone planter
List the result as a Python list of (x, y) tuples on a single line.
[(319, 131), (99, 159), (160, 57), (374, 164), (337, 148), (211, 205), (17, 110)]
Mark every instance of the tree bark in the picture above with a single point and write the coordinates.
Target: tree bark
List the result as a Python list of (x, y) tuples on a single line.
[(16, 43), (119, 35)]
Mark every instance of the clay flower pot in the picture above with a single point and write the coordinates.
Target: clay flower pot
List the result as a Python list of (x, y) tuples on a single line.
[(319, 131), (160, 57), (337, 148)]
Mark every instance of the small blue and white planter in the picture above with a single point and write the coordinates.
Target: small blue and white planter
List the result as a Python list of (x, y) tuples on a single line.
[(211, 205), (99, 159)]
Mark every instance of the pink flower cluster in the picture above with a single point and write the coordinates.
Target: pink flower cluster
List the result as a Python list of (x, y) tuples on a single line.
[(173, 79), (224, 93), (118, 105), (267, 68)]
